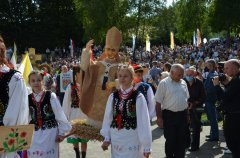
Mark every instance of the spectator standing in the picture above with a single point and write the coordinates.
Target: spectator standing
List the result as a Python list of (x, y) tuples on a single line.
[(211, 99), (196, 100), (64, 69), (230, 98), (155, 72), (171, 107)]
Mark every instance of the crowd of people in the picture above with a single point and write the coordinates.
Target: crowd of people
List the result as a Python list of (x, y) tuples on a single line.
[(175, 86)]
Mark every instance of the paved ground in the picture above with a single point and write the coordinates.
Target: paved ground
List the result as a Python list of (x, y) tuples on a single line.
[(207, 149)]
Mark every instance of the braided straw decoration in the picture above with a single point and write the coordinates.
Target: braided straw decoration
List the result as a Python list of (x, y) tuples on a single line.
[(86, 131)]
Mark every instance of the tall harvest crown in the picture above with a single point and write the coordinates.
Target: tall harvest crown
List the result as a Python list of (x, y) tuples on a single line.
[(113, 38)]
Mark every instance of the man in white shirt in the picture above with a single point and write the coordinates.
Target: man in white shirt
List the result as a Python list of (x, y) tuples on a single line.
[(171, 107)]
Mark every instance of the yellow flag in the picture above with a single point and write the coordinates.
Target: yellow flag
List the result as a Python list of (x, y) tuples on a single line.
[(25, 67), (171, 40)]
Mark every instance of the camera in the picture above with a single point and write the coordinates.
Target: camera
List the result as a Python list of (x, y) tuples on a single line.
[(220, 66), (222, 77)]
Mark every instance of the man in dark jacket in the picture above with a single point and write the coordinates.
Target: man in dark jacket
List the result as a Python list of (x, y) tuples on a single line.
[(231, 104), (196, 100)]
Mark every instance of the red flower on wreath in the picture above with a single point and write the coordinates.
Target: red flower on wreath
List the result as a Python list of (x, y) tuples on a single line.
[(11, 141), (23, 134)]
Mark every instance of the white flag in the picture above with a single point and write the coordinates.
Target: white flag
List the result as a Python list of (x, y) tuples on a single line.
[(148, 44), (133, 42), (14, 57), (71, 48), (194, 38)]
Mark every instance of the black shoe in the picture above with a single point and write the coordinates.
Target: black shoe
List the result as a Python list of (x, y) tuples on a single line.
[(212, 140), (193, 149), (208, 136)]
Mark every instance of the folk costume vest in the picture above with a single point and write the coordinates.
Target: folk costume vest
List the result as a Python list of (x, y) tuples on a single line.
[(41, 112), (4, 92), (143, 88), (124, 110), (75, 95)]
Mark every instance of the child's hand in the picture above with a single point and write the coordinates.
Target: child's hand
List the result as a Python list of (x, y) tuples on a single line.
[(105, 145), (146, 155), (59, 138)]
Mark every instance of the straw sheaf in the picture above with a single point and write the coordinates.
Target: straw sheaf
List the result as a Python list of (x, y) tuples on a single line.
[(86, 131)]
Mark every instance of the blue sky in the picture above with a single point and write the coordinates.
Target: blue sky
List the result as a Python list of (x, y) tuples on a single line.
[(169, 2)]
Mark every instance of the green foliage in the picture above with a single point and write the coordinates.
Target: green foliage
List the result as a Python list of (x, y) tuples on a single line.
[(164, 23), (100, 17), (41, 23), (191, 14), (144, 13), (224, 15)]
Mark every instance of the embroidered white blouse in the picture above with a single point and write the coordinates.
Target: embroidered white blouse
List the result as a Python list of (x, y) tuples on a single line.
[(142, 134)]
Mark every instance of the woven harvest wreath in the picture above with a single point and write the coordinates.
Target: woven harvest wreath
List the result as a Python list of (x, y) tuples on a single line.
[(86, 131)]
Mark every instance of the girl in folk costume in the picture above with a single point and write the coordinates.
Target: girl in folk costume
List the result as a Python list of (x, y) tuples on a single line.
[(126, 124), (72, 111), (48, 117), (13, 96)]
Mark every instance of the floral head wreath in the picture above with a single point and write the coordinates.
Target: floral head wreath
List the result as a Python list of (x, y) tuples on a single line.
[(46, 66), (43, 73)]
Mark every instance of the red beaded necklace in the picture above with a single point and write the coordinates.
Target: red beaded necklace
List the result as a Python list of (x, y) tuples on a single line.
[(38, 105), (122, 98), (2, 73)]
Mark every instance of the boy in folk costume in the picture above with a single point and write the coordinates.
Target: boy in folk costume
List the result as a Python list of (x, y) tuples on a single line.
[(145, 89), (13, 96), (98, 77)]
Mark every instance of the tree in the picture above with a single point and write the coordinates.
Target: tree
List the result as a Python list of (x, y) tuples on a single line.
[(58, 23), (17, 18), (144, 13), (224, 15), (99, 18), (164, 22), (191, 14)]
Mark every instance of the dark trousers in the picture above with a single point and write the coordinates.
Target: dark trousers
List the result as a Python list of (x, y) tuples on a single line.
[(61, 97), (195, 125), (176, 133), (232, 133), (212, 117)]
